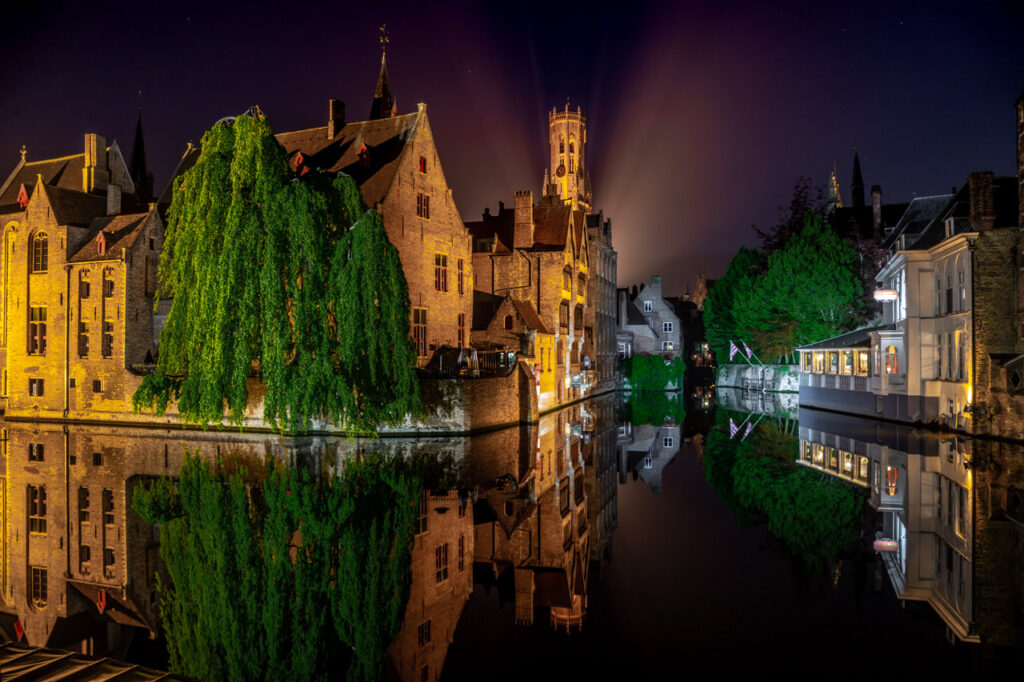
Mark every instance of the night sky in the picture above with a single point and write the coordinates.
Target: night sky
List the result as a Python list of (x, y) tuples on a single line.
[(701, 116)]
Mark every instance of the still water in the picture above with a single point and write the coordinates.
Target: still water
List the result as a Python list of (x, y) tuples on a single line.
[(726, 539)]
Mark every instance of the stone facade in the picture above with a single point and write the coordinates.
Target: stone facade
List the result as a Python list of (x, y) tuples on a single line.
[(600, 312), (648, 324)]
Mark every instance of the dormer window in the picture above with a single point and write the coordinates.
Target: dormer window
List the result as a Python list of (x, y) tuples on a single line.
[(300, 164), (22, 197), (101, 244), (950, 227)]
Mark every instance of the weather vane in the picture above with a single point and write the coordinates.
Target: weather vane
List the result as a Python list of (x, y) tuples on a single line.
[(383, 39)]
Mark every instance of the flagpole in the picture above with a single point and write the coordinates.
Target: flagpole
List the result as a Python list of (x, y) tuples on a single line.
[(733, 346), (752, 427), (752, 352)]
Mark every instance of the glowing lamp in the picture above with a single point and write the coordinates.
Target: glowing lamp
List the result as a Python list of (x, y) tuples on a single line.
[(885, 546), (886, 294)]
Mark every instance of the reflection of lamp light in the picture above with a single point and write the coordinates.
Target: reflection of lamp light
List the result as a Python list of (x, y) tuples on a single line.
[(890, 476), (886, 294)]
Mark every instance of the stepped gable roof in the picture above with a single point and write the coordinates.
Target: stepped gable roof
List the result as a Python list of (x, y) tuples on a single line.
[(121, 231), (529, 315), (860, 338), (373, 170), (920, 212)]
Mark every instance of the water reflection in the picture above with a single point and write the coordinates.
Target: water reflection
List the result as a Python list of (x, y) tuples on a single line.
[(530, 514)]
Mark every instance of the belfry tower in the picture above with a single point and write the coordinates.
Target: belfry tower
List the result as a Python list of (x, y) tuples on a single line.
[(568, 139)]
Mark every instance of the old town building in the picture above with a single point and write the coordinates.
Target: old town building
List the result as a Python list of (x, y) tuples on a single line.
[(600, 311), (647, 323), (394, 160), (79, 270)]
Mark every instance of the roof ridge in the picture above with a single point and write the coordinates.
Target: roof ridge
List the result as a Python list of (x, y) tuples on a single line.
[(57, 158)]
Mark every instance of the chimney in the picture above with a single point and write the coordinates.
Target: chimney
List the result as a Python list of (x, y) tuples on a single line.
[(113, 199), (523, 236), (876, 209), (94, 173), (335, 118), (656, 285), (982, 209)]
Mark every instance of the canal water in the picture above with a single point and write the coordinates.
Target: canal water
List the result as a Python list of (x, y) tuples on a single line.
[(622, 535)]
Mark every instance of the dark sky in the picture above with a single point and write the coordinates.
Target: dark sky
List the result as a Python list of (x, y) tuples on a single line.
[(701, 115)]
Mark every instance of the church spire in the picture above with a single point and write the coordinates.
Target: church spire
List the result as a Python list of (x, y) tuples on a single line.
[(835, 198), (383, 101), (857, 187), (141, 176)]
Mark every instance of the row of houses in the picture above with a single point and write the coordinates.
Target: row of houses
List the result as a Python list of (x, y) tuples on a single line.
[(527, 292), (949, 348)]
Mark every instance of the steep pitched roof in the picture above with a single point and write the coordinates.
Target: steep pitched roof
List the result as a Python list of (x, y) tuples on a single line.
[(121, 232), (383, 100), (72, 207), (64, 172), (920, 212), (373, 168), (529, 315)]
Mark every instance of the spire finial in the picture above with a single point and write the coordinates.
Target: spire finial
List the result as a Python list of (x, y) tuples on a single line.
[(383, 39), (24, 152)]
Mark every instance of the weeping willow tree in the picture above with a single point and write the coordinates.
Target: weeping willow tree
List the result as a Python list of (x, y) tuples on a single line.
[(290, 279), (281, 576)]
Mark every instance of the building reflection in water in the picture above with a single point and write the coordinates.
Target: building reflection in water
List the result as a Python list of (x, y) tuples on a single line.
[(948, 531), (531, 506)]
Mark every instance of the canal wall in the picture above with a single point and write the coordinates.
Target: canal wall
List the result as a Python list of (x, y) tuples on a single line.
[(778, 378)]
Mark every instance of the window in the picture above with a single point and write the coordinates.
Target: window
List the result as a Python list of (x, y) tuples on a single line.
[(108, 506), (561, 146), (421, 516), (891, 364), (567, 279), (648, 462), (441, 563), (508, 322), (108, 285), (108, 557), (462, 552), (35, 452), (938, 295), (949, 293), (666, 327), (423, 633), (666, 345), (37, 330), (423, 164), (938, 356), (668, 442), (97, 459), (38, 586), (84, 554), (40, 252), (83, 287), (419, 330), (961, 276), (949, 356), (648, 306), (563, 316), (961, 365), (83, 339), (37, 509), (83, 505), (461, 320), (423, 205), (35, 387), (108, 339), (97, 386), (461, 277), (440, 272)]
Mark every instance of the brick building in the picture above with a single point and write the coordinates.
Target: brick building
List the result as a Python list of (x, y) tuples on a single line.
[(79, 269), (647, 323), (600, 312), (394, 160)]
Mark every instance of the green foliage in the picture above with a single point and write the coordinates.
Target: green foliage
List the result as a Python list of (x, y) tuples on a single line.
[(654, 407), (287, 278), (288, 577), (807, 290), (654, 373), (815, 515), (719, 322)]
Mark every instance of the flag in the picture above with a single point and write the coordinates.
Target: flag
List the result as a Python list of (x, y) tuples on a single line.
[(732, 428), (750, 353), (750, 427), (733, 350)]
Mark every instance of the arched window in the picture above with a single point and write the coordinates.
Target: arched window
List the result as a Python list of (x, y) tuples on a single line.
[(561, 145), (40, 252), (508, 322), (891, 364)]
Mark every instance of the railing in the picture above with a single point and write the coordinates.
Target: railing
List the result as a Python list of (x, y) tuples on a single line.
[(469, 363)]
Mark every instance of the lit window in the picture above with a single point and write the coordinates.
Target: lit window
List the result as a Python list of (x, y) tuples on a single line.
[(37, 509), (441, 563), (891, 364), (38, 586), (423, 164), (37, 330), (35, 452), (419, 330), (440, 272), (35, 387), (40, 252)]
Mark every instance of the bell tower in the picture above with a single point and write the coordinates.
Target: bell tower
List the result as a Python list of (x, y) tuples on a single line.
[(568, 140)]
